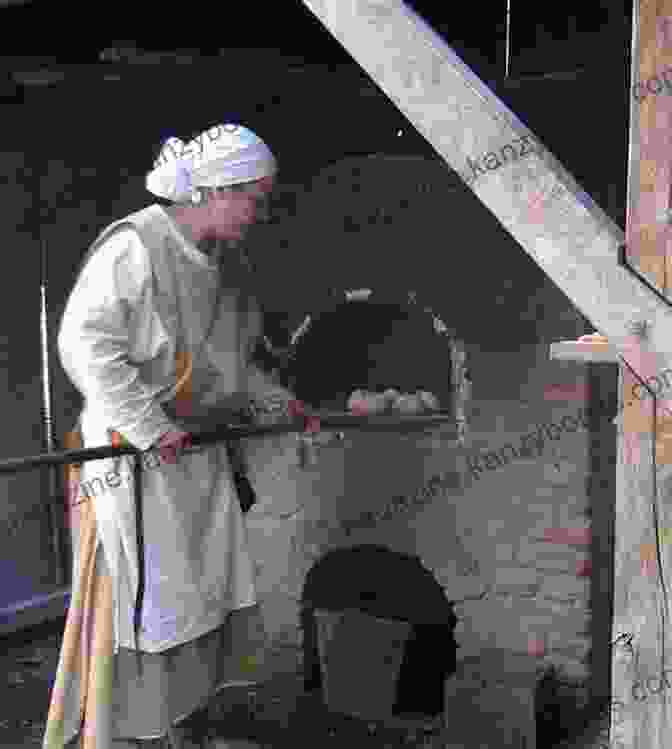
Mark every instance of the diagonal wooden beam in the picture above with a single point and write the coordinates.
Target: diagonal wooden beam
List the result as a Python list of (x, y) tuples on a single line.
[(535, 198)]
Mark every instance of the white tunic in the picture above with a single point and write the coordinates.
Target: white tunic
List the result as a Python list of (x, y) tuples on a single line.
[(117, 343)]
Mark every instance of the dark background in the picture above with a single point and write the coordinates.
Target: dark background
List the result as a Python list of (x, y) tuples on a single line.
[(77, 32)]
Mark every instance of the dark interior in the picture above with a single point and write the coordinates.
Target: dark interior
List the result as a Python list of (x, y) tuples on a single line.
[(373, 345), (388, 585)]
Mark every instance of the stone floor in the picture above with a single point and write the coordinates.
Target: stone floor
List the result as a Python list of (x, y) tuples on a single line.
[(279, 715)]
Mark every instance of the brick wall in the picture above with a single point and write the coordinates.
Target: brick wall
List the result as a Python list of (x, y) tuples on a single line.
[(508, 545)]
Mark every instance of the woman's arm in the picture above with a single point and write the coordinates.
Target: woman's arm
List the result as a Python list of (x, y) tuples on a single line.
[(113, 290)]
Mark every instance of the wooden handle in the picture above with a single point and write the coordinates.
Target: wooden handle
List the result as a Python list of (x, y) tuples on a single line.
[(72, 441), (184, 366)]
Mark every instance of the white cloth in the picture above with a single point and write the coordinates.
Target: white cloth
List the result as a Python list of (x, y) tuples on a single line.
[(221, 156), (117, 343)]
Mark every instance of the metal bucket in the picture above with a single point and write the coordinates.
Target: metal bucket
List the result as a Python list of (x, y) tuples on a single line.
[(360, 657)]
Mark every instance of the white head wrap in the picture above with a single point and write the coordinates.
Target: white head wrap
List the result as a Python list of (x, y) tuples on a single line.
[(221, 156)]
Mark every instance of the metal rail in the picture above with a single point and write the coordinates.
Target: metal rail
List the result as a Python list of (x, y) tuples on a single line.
[(328, 421)]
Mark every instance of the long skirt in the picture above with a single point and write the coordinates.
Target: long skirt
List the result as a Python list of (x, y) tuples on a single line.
[(100, 698)]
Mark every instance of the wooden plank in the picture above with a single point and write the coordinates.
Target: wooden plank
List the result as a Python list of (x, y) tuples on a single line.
[(590, 353)]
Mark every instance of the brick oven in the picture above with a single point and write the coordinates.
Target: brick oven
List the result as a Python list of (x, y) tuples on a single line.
[(380, 524), (371, 342)]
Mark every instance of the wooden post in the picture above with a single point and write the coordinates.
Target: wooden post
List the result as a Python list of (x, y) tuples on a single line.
[(651, 141), (641, 715)]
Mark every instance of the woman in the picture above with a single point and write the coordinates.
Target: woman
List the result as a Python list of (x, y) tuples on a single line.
[(157, 336)]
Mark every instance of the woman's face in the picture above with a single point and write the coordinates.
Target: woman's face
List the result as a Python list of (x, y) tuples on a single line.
[(231, 213)]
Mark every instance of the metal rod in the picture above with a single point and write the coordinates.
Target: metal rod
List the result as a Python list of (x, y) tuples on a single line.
[(51, 482), (508, 37), (46, 392), (328, 422)]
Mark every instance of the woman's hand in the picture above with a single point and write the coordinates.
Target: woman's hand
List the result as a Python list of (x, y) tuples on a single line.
[(274, 399), (172, 442), (277, 400), (265, 392)]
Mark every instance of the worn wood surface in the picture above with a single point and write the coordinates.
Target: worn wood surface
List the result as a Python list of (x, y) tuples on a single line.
[(648, 238), (591, 353), (641, 715)]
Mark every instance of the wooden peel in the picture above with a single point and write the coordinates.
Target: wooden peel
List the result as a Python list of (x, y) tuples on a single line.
[(594, 338)]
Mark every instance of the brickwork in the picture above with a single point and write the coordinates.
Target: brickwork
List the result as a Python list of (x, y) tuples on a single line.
[(523, 528)]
